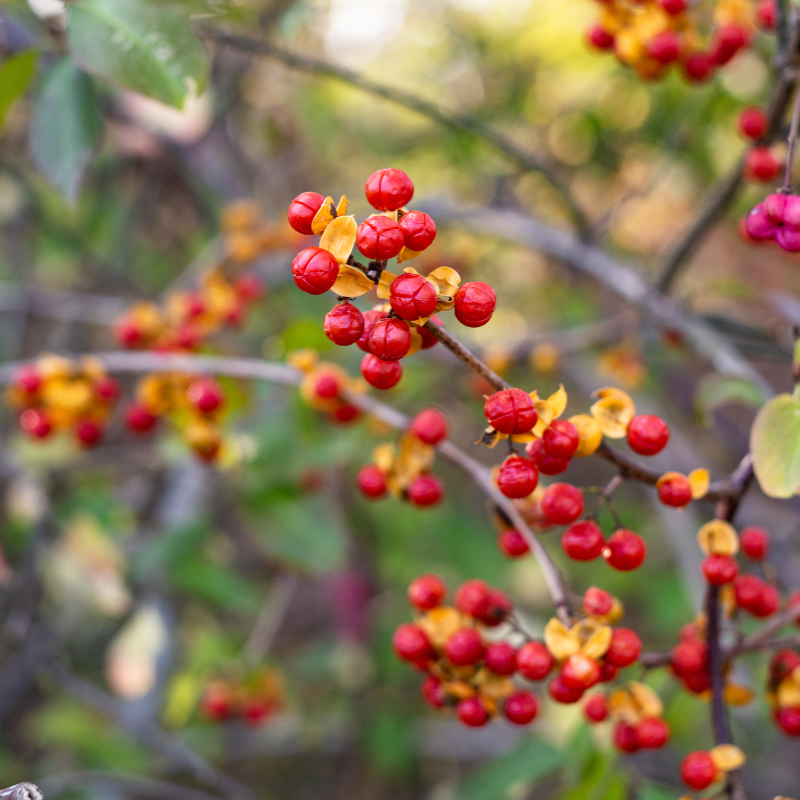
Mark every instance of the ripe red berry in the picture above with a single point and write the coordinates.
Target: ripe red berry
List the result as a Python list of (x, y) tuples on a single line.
[(464, 647), (597, 36), (580, 672), (432, 691), (248, 287), (697, 682), (412, 297), (766, 14), (36, 423), (389, 339), (428, 339), (256, 711), (652, 733), (719, 569), (517, 477), (782, 663), (545, 463), (138, 419), (187, 337), (753, 123), (27, 379), (698, 67), (625, 737), (424, 491), (471, 712), (379, 238), (755, 543), (345, 412), (675, 491), (512, 543), (88, 432), (698, 770), (608, 672), (583, 541), (664, 47), (389, 189), (521, 708), (430, 426), (427, 591), (206, 395), (562, 503), (768, 603), (473, 597), (370, 318), (419, 230), (371, 481), (475, 302), (788, 720), (690, 657), (597, 602), (534, 661), (107, 389), (411, 644), (761, 164), (501, 658), (624, 649), (747, 591), (381, 374), (562, 693), (315, 270), (303, 209), (500, 606), (647, 434), (625, 550), (344, 324), (510, 411), (726, 42), (128, 333), (596, 709), (561, 439), (327, 386), (216, 704), (674, 7)]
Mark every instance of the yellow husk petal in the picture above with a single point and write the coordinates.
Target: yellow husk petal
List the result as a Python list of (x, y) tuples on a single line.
[(560, 640), (383, 456), (589, 432), (493, 686), (305, 360), (323, 217), (646, 700), (406, 255), (788, 694), (558, 401), (737, 695), (598, 643), (341, 209), (727, 757), (613, 413), (445, 280), (441, 623), (416, 341), (718, 538), (351, 282), (699, 481), (384, 283), (340, 238)]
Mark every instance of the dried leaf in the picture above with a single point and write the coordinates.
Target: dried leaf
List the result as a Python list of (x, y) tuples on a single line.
[(718, 538), (323, 217), (351, 281), (383, 456), (727, 757), (646, 701), (339, 239)]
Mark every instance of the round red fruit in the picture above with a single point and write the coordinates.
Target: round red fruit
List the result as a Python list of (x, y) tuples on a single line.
[(647, 434), (128, 333), (138, 419), (512, 543), (248, 287), (782, 663), (698, 770), (411, 644), (625, 550), (389, 189), (562, 693), (674, 7), (107, 389), (521, 708), (370, 318), (727, 41), (768, 602), (675, 491), (206, 395), (371, 481), (766, 14), (432, 691), (761, 164), (327, 385), (624, 649), (426, 592), (36, 423), (753, 123), (28, 380), (583, 541), (664, 47), (88, 432), (608, 672), (381, 374), (379, 238), (561, 439), (652, 733), (534, 661), (562, 504), (719, 569), (580, 672), (419, 230), (471, 712), (475, 303), (464, 647), (303, 209), (424, 491), (689, 658), (473, 597), (517, 477), (500, 606), (597, 602), (412, 297), (511, 411), (625, 737), (546, 464), (345, 412), (597, 36), (430, 426), (788, 720), (389, 339), (315, 270), (755, 543), (344, 324), (596, 709), (501, 658), (747, 591)]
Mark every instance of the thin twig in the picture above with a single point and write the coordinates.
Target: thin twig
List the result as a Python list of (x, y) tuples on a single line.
[(21, 791), (790, 143)]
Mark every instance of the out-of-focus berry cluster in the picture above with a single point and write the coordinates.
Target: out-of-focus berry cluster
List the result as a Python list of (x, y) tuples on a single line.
[(253, 698)]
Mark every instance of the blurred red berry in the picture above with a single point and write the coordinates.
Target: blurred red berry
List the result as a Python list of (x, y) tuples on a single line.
[(512, 543), (580, 671), (698, 770), (664, 47), (690, 657), (597, 36), (755, 543), (471, 712), (583, 541), (430, 426), (521, 708), (432, 691), (625, 550), (546, 463), (424, 491), (562, 693), (534, 661), (624, 649), (788, 720), (647, 434), (371, 481), (766, 14), (652, 733), (562, 503), (28, 380), (698, 67), (411, 644), (88, 432), (426, 592), (36, 423), (597, 602), (138, 419), (464, 647), (501, 658), (761, 164), (719, 569), (753, 123), (675, 491), (596, 709), (625, 737), (206, 395)]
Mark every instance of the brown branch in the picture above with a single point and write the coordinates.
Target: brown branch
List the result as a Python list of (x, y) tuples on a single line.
[(21, 791)]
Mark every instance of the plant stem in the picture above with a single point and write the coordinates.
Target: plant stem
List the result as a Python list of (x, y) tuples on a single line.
[(787, 179)]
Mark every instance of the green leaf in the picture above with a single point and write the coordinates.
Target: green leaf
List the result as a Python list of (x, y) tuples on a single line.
[(139, 46), (66, 127), (15, 75), (775, 445), (717, 390)]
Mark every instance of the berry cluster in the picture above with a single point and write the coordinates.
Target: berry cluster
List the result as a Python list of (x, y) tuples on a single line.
[(776, 219), (783, 690), (253, 699), (59, 394), (702, 768), (248, 236), (394, 329), (325, 386)]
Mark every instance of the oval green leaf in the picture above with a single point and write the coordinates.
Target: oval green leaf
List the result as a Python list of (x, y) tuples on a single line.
[(775, 444)]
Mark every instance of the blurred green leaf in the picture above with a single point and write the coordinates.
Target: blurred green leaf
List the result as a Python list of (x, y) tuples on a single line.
[(66, 127), (718, 390), (147, 48), (775, 444), (214, 583), (15, 75)]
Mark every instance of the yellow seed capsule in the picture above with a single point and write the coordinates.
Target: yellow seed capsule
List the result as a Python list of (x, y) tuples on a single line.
[(589, 432), (718, 538)]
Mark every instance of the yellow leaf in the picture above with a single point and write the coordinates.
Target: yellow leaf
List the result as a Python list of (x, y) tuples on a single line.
[(589, 432), (718, 538), (384, 283), (737, 695), (351, 282), (341, 209), (560, 640), (613, 412), (323, 217), (598, 643), (445, 280), (339, 239), (406, 255), (727, 757), (698, 481)]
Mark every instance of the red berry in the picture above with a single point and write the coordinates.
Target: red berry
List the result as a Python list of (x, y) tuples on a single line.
[(500, 606), (647, 434), (256, 711), (501, 658), (426, 592), (562, 693), (719, 569), (788, 720), (766, 14), (697, 682), (379, 238), (471, 712), (759, 225), (195, 306), (512, 543), (727, 41), (424, 491), (596, 602), (389, 339), (205, 394), (248, 287), (768, 602), (389, 189), (517, 477), (88, 432), (419, 230), (473, 597), (562, 503), (327, 386), (410, 643), (432, 691), (315, 270), (624, 649), (674, 7), (698, 770), (596, 709), (755, 543), (545, 463), (36, 423), (475, 302), (753, 123), (412, 297), (625, 737), (28, 379), (428, 339), (625, 550), (381, 374), (187, 337), (597, 36), (370, 318), (344, 324), (371, 481), (107, 390), (521, 708), (464, 647), (761, 164), (580, 672), (747, 591), (534, 661), (128, 333), (561, 439), (303, 209), (138, 419), (664, 47), (608, 672), (583, 541), (783, 209), (690, 657), (430, 426), (652, 733), (698, 67), (675, 491), (782, 663), (216, 704), (511, 411)]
